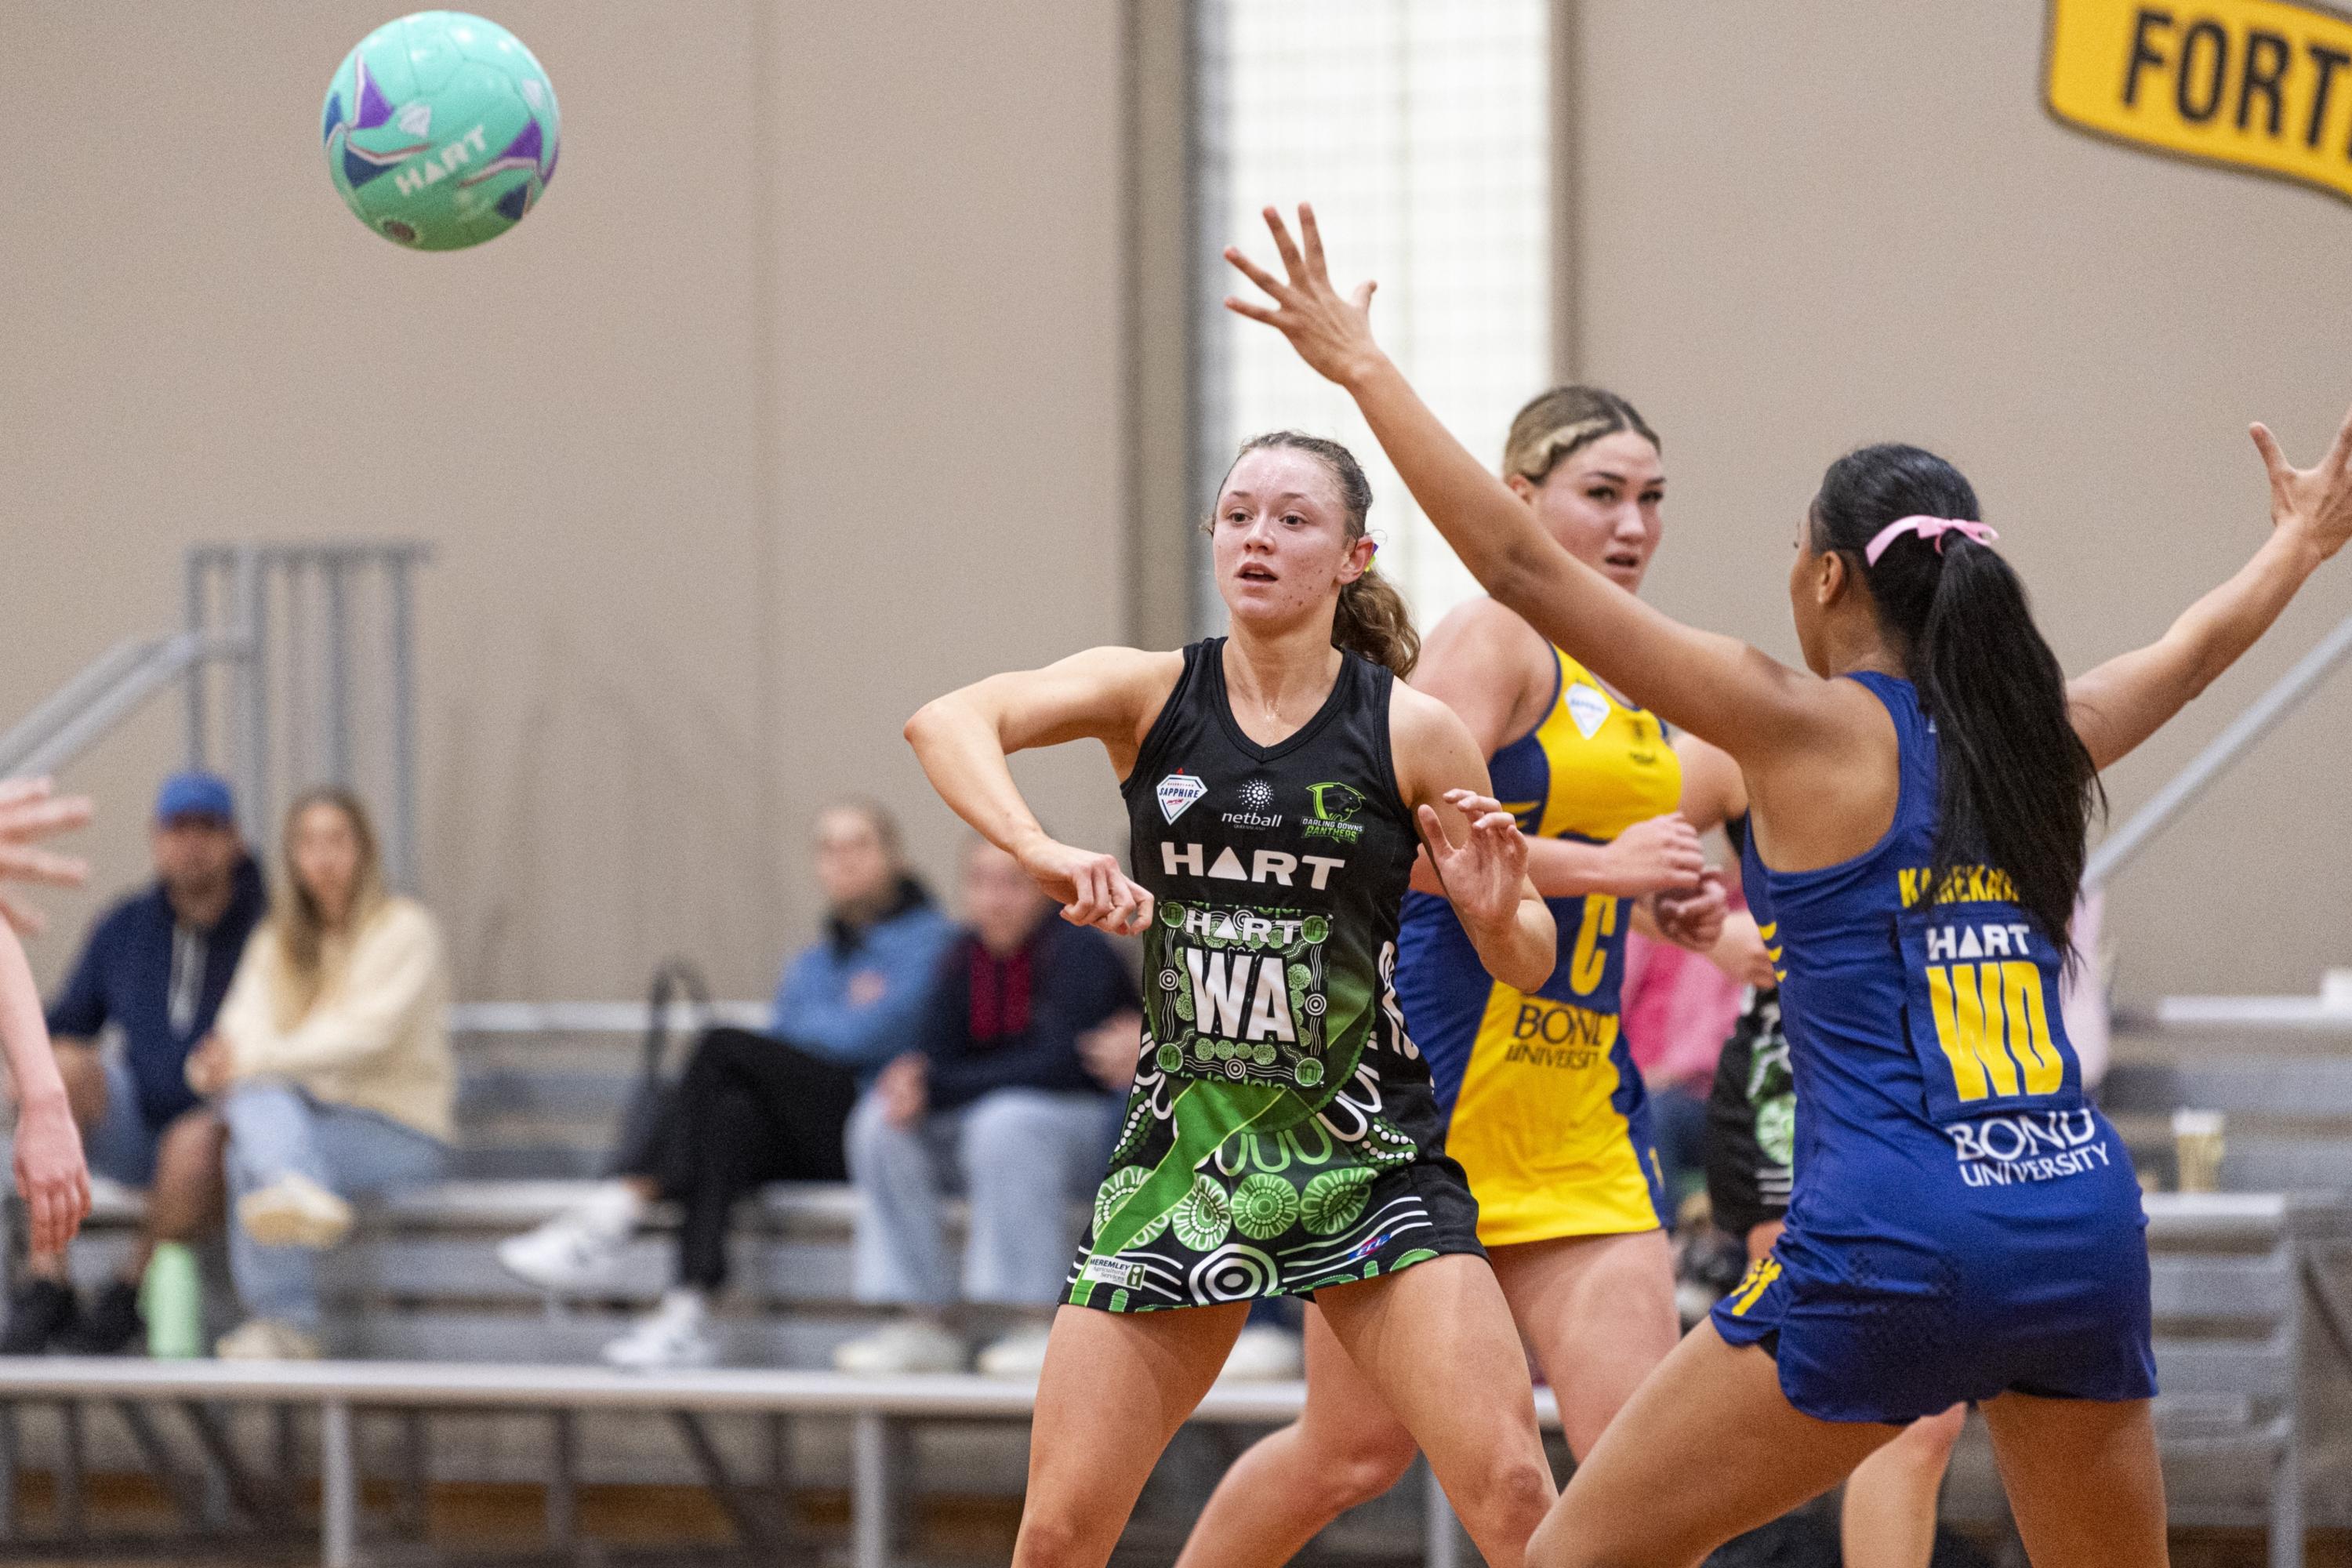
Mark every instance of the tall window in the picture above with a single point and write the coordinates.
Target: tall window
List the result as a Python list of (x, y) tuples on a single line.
[(1420, 132)]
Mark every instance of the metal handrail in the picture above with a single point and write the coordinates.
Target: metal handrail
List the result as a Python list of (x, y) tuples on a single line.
[(59, 708), (83, 710), (2220, 756)]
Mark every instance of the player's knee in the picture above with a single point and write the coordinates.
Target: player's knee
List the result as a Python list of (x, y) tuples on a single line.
[(1510, 1497), (1052, 1537), (1928, 1442), (1361, 1471)]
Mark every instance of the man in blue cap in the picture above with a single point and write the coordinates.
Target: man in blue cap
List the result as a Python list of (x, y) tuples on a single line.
[(155, 967)]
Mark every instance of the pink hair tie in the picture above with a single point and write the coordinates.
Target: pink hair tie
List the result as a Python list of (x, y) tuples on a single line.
[(1933, 528)]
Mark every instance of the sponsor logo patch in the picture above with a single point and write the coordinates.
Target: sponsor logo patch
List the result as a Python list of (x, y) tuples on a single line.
[(1177, 793), (1331, 809), (1587, 708), (1111, 1271)]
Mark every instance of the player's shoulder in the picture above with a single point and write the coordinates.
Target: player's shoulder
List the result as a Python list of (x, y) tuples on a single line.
[(1418, 722), (1487, 634)]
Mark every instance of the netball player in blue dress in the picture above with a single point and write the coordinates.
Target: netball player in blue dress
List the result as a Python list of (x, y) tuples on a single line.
[(1964, 1224)]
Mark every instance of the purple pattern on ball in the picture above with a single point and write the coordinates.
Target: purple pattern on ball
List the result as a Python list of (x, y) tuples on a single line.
[(526, 144), (375, 110)]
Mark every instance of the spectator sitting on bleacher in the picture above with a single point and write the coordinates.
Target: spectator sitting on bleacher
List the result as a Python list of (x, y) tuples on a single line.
[(155, 967), (751, 1109), (1012, 1095), (330, 1066)]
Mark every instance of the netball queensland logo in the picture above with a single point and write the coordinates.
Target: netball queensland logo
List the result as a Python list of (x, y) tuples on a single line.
[(1331, 812)]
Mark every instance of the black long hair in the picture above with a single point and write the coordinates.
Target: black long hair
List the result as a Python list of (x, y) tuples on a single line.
[(2017, 788)]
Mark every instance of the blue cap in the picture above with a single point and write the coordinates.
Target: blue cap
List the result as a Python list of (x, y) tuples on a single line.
[(194, 794)]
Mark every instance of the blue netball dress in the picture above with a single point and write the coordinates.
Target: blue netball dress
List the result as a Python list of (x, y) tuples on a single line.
[(1964, 1223)]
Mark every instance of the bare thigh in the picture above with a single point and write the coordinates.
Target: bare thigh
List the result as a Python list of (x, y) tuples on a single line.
[(1115, 1388), (1600, 1312), (1437, 1346), (2081, 1479), (1344, 1413), (1706, 1449), (1346, 1447)]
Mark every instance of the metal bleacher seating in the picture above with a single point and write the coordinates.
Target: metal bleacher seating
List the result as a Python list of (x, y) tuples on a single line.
[(2250, 1296)]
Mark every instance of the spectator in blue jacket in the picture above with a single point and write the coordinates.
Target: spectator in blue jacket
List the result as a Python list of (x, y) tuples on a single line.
[(752, 1108), (153, 972), (1009, 1094)]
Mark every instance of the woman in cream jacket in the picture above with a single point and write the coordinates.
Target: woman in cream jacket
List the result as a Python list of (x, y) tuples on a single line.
[(331, 1066)]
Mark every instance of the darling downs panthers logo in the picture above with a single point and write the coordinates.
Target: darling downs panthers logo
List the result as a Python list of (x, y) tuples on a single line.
[(1331, 812)]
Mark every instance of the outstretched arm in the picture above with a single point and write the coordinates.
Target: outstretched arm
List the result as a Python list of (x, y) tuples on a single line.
[(1108, 694), (2128, 698), (1474, 846), (1714, 686)]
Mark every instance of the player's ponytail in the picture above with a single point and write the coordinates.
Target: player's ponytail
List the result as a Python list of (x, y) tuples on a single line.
[(1373, 621), (2017, 786)]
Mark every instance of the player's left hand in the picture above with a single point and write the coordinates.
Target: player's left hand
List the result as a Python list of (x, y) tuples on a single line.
[(1692, 917), (1485, 872), (2315, 502)]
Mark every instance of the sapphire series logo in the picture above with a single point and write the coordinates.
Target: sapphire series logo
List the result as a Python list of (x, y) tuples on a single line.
[(1177, 793)]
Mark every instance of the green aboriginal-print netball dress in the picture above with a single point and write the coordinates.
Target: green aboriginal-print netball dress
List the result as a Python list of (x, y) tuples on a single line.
[(1281, 1135)]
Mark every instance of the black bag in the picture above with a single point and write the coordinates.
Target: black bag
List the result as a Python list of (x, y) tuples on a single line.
[(647, 1122)]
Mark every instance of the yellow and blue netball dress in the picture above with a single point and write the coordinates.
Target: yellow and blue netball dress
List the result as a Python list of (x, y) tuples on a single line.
[(1965, 1223), (1549, 1114)]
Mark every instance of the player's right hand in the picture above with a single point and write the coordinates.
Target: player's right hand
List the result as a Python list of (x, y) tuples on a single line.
[(30, 810), (52, 1173), (1658, 855), (1092, 888)]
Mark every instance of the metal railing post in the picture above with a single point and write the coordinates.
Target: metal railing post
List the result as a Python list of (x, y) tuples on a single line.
[(339, 1498), (404, 724), (199, 738), (253, 697), (339, 672)]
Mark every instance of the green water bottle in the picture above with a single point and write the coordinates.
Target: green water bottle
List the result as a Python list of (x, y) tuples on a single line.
[(171, 1299)]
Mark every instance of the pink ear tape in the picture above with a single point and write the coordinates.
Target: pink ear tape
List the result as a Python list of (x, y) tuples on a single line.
[(1933, 528)]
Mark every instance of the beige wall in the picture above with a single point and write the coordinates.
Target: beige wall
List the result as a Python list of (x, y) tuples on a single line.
[(797, 401), (1826, 222)]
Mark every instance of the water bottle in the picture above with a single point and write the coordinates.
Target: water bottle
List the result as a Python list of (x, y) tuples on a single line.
[(171, 1299)]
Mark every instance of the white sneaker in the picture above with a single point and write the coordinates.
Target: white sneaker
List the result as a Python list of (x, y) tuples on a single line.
[(1263, 1354), (577, 1251), (673, 1335), (266, 1338), (911, 1345), (1019, 1354), (294, 1210)]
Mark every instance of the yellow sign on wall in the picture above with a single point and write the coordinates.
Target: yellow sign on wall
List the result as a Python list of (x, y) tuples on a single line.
[(2264, 85)]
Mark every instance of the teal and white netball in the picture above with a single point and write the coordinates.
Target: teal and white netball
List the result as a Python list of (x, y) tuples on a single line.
[(441, 130)]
